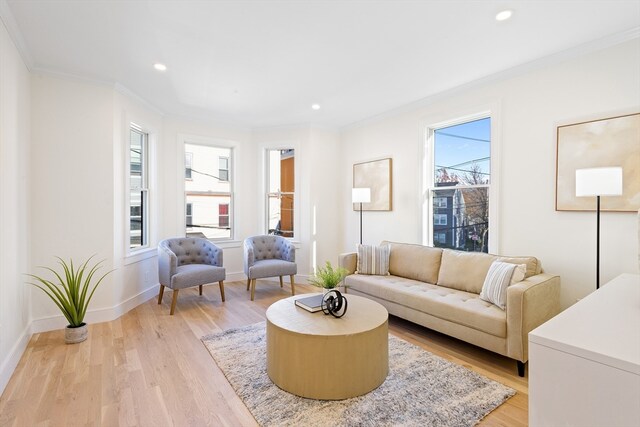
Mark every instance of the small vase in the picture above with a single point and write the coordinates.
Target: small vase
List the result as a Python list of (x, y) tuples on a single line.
[(73, 335), (327, 290)]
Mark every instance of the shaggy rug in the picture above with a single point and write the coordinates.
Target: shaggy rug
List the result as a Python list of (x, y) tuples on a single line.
[(421, 389)]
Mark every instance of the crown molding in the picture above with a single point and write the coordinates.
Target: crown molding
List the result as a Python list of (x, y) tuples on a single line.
[(9, 22)]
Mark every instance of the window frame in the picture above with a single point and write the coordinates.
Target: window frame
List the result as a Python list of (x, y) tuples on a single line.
[(232, 146), (279, 194), (144, 189), (428, 189)]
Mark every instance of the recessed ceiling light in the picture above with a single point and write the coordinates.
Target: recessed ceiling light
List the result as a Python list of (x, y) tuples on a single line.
[(504, 15), (316, 106), (160, 67)]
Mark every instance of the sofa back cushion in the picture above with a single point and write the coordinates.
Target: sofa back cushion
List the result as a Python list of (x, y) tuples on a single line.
[(415, 262), (464, 271), (533, 264)]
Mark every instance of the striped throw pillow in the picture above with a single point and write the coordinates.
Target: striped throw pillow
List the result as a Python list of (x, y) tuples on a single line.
[(373, 260), (494, 289)]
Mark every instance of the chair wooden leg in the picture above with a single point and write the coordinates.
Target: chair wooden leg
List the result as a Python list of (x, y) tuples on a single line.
[(200, 289), (281, 282), (253, 288), (248, 283), (221, 283), (293, 290), (160, 294), (174, 301)]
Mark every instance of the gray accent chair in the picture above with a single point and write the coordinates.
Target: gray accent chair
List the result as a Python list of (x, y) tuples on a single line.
[(269, 256), (189, 261)]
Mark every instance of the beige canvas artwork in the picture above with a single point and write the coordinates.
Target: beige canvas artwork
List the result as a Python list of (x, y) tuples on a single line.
[(375, 175), (608, 142)]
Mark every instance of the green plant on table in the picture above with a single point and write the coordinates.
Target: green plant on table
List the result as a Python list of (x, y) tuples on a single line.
[(73, 290), (328, 277)]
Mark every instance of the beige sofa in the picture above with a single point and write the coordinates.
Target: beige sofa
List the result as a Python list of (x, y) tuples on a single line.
[(439, 289)]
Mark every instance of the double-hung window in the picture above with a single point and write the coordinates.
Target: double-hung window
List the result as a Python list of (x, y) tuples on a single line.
[(208, 191), (138, 188), (459, 187), (280, 195)]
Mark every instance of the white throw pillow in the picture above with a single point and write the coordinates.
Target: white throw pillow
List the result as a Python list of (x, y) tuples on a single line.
[(373, 260), (494, 289)]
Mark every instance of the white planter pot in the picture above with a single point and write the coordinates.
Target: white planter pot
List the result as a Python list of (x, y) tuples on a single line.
[(77, 334)]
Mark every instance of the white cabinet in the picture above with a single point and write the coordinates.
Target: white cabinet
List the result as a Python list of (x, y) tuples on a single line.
[(584, 364)]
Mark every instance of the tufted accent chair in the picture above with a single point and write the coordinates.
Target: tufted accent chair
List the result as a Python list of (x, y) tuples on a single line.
[(269, 256), (188, 261)]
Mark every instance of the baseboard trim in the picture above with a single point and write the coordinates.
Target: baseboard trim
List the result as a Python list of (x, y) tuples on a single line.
[(99, 315), (10, 364)]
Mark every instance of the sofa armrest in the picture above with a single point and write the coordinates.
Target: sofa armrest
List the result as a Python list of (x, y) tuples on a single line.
[(349, 261), (530, 303)]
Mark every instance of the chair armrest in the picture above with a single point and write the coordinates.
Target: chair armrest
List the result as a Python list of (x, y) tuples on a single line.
[(249, 258), (349, 261), (289, 253), (530, 303), (215, 257), (167, 265)]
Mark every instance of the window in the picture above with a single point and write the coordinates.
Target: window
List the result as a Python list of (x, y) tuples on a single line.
[(440, 237), (138, 188), (460, 185), (208, 194), (188, 160), (189, 214), (439, 202), (280, 192), (439, 219), (223, 168), (223, 215)]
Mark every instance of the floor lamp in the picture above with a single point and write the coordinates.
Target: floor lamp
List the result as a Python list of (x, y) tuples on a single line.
[(361, 195), (598, 182)]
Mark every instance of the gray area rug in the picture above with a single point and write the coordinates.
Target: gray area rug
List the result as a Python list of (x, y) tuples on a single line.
[(421, 390)]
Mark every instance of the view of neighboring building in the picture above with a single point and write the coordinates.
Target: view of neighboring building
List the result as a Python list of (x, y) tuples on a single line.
[(460, 195), (208, 191)]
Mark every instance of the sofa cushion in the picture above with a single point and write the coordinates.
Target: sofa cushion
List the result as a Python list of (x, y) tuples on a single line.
[(373, 259), (414, 261), (459, 307), (533, 264), (464, 271), (494, 289)]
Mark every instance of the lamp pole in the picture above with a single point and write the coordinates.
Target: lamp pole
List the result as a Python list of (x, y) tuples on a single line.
[(360, 222), (598, 244)]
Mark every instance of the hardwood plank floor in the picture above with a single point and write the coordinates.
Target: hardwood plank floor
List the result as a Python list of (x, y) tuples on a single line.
[(150, 369)]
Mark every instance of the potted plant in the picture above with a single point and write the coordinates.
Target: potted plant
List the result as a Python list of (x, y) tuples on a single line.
[(71, 290), (328, 277)]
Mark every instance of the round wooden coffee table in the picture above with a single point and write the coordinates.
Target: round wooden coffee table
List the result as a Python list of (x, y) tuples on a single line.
[(320, 357)]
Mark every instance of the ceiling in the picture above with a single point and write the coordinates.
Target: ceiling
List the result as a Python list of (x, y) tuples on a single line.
[(264, 63)]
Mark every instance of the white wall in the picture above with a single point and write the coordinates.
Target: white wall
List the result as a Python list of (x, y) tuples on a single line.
[(528, 109), (72, 182), (317, 219), (14, 206)]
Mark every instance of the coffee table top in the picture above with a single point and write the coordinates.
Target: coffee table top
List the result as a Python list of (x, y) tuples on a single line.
[(362, 315)]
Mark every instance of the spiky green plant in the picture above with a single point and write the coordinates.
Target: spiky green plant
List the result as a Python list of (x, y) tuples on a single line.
[(328, 277), (71, 294)]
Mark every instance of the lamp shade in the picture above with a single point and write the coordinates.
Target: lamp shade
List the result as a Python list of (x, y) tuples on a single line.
[(599, 182), (360, 195)]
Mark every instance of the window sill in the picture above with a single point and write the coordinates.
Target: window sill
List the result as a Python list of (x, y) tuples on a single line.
[(227, 244), (140, 255)]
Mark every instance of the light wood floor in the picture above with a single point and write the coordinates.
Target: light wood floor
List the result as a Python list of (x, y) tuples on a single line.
[(150, 369)]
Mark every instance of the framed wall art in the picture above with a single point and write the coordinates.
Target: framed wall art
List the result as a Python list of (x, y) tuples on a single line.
[(375, 175), (613, 141)]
